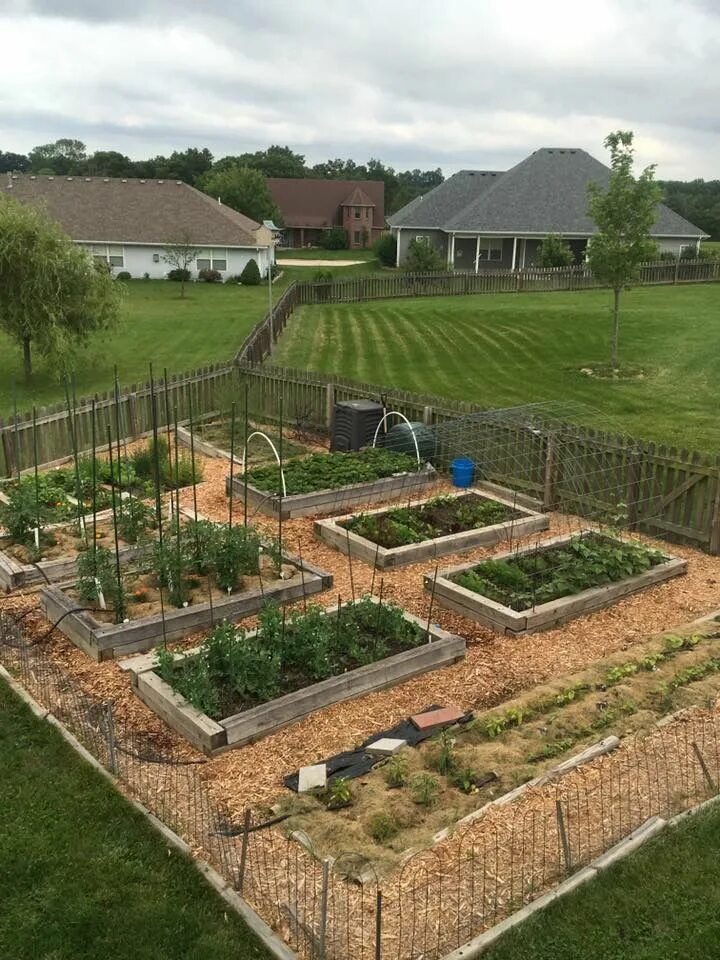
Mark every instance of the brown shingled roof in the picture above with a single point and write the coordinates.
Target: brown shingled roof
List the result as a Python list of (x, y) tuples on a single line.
[(304, 202), (358, 198), (134, 211)]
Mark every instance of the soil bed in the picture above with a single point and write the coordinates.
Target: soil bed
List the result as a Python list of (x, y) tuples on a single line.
[(431, 528), (535, 588), (238, 686)]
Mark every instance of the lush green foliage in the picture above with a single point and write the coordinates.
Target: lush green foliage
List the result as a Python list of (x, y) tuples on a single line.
[(329, 471), (422, 257), (437, 518), (234, 670), (532, 348), (83, 874), (385, 249), (97, 574), (334, 239), (250, 276), (52, 294), (554, 252), (624, 214), (586, 561), (243, 189)]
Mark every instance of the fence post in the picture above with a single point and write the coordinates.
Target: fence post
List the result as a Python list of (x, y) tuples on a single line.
[(110, 729), (715, 522), (563, 836), (378, 926), (10, 452), (427, 415), (132, 414), (323, 908), (329, 405), (633, 489), (706, 773), (549, 481), (677, 269), (244, 849)]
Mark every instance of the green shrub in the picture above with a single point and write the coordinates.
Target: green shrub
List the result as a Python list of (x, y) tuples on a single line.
[(385, 249), (250, 276), (554, 252), (334, 239), (178, 274), (124, 275), (383, 827), (210, 276), (422, 257)]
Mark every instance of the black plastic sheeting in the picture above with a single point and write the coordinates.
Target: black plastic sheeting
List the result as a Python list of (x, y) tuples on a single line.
[(356, 763)]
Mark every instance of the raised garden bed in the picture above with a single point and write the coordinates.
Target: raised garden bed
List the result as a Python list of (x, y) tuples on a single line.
[(292, 653), (61, 546), (327, 483), (432, 528), (205, 573), (567, 577)]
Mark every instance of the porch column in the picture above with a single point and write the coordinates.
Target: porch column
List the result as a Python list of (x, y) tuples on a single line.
[(397, 248), (302, 236), (451, 250), (514, 259), (477, 253)]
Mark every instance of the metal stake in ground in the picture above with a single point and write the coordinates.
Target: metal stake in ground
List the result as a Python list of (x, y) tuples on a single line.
[(232, 464), (37, 480), (372, 582), (280, 458), (247, 432), (17, 434), (158, 499), (94, 487), (117, 437), (432, 603), (567, 855), (74, 446), (350, 565), (302, 575), (120, 601)]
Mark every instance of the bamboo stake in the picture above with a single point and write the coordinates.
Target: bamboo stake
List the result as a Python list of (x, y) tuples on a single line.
[(232, 462), (120, 604)]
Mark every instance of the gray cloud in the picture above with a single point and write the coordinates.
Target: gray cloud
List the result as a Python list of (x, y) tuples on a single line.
[(429, 84)]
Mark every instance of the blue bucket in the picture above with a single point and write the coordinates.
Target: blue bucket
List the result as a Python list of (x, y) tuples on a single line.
[(463, 472)]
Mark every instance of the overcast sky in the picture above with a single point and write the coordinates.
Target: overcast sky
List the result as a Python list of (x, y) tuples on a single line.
[(416, 83)]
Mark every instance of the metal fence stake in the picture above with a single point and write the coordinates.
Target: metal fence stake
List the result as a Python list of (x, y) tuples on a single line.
[(110, 727), (244, 849), (378, 925), (706, 773), (567, 855), (323, 909)]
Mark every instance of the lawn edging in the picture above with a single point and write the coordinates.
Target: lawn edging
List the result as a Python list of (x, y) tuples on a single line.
[(331, 531), (269, 939)]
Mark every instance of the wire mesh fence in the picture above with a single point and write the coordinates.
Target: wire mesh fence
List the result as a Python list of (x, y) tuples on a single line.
[(442, 896)]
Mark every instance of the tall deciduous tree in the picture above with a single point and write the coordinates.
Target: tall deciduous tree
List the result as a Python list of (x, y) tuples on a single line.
[(624, 213), (243, 189), (52, 294)]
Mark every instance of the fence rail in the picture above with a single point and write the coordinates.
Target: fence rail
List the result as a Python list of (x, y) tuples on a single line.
[(442, 897)]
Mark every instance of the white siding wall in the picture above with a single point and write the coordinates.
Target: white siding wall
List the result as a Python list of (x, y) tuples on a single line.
[(139, 260)]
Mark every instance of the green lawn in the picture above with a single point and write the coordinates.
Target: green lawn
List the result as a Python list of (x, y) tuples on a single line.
[(662, 902), (83, 875), (508, 349)]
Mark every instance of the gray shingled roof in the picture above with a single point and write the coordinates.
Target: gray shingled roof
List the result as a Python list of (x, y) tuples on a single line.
[(545, 193), (446, 200), (134, 211)]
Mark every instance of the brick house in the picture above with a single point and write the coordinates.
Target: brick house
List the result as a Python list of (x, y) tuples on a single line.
[(309, 207)]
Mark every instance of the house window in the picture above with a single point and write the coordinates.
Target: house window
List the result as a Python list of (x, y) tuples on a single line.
[(204, 263), (213, 260), (490, 248), (116, 256), (357, 237), (357, 213), (422, 238)]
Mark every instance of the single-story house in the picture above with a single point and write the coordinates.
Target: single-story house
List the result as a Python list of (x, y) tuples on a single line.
[(310, 207), (487, 219), (129, 222)]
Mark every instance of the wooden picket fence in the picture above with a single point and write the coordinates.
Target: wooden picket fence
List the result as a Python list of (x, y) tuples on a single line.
[(258, 345)]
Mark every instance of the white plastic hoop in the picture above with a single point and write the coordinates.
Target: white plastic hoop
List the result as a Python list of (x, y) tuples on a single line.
[(396, 413), (259, 433)]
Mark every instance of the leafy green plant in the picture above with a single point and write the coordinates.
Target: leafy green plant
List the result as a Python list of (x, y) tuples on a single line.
[(330, 471), (424, 790), (493, 726), (465, 779), (586, 561), (339, 793), (395, 772), (383, 827), (445, 761), (135, 520)]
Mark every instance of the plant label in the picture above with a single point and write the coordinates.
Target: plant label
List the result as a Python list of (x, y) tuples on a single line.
[(36, 534)]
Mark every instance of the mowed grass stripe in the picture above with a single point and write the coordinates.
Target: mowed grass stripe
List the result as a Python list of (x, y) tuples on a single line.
[(506, 349)]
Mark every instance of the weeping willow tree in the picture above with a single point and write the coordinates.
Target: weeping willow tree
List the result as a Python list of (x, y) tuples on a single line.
[(52, 294)]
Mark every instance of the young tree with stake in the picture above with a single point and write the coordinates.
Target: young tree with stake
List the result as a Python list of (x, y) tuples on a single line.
[(624, 214), (180, 255)]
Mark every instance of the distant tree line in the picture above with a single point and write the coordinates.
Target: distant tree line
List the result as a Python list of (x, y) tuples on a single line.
[(696, 200), (198, 167)]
